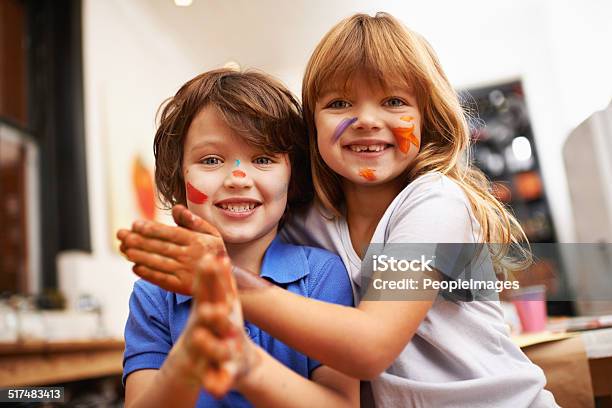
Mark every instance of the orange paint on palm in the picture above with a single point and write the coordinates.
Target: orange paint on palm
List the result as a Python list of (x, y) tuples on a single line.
[(367, 173), (238, 173), (405, 135)]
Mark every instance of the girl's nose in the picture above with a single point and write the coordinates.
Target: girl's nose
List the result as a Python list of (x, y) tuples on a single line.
[(367, 119), (238, 178)]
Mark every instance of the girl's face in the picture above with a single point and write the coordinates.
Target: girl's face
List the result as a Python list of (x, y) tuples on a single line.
[(369, 135), (240, 190)]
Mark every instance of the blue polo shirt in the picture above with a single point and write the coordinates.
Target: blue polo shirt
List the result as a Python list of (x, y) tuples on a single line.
[(157, 317)]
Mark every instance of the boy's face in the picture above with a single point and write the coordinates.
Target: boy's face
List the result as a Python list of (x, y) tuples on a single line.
[(240, 190), (368, 135)]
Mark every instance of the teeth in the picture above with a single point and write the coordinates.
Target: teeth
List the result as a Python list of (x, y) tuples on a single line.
[(235, 207), (370, 148)]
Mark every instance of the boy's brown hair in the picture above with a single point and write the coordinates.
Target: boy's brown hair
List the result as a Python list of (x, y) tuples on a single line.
[(255, 106)]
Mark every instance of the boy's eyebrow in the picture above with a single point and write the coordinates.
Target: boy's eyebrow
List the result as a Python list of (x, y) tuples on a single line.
[(203, 144)]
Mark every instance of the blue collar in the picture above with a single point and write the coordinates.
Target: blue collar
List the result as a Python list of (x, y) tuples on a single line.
[(282, 264)]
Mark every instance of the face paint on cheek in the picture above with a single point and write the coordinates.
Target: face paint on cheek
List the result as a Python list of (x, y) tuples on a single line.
[(405, 135), (238, 173), (344, 123), (194, 195), (367, 173)]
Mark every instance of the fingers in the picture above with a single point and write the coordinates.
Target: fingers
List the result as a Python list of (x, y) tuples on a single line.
[(217, 319), (164, 248), (122, 233), (185, 218), (151, 229), (214, 282), (209, 285), (208, 356), (205, 344), (153, 261), (212, 343), (164, 280), (217, 382)]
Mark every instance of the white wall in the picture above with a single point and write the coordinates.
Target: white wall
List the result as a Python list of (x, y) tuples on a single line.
[(129, 69), (137, 53)]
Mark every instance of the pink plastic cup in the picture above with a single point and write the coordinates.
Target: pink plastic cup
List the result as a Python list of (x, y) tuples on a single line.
[(530, 304)]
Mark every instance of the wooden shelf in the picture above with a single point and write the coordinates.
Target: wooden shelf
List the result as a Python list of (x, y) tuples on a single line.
[(40, 363)]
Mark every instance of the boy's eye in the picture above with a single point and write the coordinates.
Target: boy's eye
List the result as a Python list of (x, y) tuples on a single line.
[(211, 160), (263, 160), (338, 104), (395, 102)]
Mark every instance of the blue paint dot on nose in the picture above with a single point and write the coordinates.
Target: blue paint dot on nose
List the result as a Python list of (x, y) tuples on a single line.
[(237, 163)]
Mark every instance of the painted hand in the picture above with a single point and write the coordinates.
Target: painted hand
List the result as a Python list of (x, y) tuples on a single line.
[(213, 350), (169, 256), (211, 239)]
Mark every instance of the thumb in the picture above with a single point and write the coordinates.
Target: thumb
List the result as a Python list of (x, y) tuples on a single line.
[(217, 381), (186, 219)]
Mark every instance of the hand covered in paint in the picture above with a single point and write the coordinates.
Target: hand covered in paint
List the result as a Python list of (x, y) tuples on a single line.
[(168, 256), (213, 350)]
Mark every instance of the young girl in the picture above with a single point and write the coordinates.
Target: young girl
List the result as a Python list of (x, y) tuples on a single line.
[(227, 146), (388, 141)]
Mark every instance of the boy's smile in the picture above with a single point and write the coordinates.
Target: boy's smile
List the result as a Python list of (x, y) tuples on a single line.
[(368, 135), (245, 189)]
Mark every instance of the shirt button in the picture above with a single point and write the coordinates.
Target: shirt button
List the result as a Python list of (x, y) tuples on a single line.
[(247, 330)]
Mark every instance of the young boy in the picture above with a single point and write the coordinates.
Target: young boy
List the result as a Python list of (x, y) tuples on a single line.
[(230, 147)]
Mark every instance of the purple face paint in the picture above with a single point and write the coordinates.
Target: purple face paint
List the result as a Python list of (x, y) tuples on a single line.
[(344, 123)]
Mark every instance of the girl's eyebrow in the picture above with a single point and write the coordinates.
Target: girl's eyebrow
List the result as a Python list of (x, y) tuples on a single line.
[(331, 91), (400, 88)]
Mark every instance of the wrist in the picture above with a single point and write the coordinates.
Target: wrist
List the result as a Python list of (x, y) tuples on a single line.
[(181, 367), (252, 367), (246, 280)]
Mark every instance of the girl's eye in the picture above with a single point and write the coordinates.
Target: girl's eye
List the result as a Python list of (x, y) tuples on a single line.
[(395, 102), (211, 161), (338, 104), (263, 160)]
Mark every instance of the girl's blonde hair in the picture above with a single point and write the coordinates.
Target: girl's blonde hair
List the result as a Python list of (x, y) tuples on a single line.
[(387, 52)]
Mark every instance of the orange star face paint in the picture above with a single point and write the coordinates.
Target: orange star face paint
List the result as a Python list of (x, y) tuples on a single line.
[(238, 173), (194, 195), (405, 135), (367, 173)]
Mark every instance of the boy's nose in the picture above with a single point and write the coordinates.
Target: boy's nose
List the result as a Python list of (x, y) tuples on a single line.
[(238, 178)]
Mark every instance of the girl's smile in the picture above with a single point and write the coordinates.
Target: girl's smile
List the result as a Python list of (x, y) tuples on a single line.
[(368, 148)]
